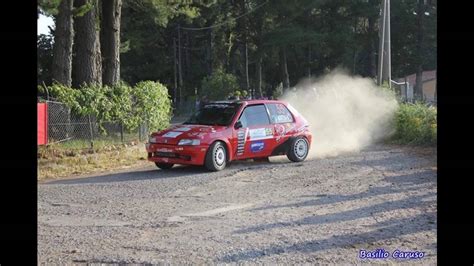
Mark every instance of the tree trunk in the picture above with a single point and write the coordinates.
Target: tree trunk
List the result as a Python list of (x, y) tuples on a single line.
[(209, 54), (98, 55), (372, 71), (175, 61), (187, 57), (110, 41), (259, 76), (86, 62), (309, 61), (62, 50), (420, 12), (247, 82), (284, 69), (180, 72), (419, 83), (242, 39), (372, 40)]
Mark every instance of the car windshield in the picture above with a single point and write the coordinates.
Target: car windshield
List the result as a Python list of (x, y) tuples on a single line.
[(214, 114)]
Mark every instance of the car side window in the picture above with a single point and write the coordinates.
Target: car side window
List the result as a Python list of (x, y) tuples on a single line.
[(279, 113), (254, 115)]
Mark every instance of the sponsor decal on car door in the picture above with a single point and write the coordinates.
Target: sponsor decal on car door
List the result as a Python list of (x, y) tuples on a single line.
[(260, 141), (256, 136)]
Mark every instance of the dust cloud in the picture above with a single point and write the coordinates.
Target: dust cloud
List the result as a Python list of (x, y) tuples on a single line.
[(346, 113)]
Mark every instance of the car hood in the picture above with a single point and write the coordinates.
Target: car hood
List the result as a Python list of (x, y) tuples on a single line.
[(174, 134)]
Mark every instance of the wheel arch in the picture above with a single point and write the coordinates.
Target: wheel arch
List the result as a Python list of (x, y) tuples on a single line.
[(283, 147), (228, 148)]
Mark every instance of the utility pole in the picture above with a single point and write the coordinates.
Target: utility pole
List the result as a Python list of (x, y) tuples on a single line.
[(388, 55), (384, 67), (420, 12)]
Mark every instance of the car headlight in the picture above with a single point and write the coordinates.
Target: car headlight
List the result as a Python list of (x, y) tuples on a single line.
[(189, 142), (152, 140)]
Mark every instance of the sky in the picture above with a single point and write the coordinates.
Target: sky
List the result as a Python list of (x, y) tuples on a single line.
[(43, 23)]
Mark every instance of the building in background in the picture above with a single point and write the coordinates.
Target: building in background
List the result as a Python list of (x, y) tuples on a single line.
[(429, 86)]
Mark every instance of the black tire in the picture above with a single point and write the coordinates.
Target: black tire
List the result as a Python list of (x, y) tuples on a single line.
[(298, 149), (164, 166), (216, 157)]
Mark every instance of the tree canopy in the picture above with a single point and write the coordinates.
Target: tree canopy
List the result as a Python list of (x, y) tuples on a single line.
[(259, 43)]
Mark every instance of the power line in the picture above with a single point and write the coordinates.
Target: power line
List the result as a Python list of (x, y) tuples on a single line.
[(228, 21)]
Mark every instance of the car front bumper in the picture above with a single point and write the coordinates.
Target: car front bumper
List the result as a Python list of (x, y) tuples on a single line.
[(164, 153)]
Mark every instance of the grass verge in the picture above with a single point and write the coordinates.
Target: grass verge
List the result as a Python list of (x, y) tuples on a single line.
[(70, 159)]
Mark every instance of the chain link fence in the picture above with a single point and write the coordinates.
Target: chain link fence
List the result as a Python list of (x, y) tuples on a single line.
[(64, 125)]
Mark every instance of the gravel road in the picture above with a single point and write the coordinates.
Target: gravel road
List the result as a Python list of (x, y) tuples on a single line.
[(318, 211)]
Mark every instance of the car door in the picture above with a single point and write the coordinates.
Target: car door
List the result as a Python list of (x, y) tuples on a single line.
[(256, 136)]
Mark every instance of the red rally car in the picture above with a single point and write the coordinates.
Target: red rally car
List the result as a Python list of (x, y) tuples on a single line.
[(224, 131)]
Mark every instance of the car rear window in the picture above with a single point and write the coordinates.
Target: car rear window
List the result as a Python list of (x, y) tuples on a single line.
[(279, 113)]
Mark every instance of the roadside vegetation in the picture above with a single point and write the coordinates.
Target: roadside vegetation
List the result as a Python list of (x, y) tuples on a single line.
[(146, 103), (415, 124)]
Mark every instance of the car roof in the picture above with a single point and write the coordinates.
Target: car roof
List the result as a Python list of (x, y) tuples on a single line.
[(246, 102)]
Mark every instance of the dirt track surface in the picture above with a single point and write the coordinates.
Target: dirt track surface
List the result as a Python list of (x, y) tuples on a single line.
[(318, 211)]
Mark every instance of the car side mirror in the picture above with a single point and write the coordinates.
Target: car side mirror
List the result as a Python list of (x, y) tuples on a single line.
[(238, 125)]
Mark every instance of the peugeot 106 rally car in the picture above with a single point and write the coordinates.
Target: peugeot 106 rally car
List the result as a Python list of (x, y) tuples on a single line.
[(224, 131)]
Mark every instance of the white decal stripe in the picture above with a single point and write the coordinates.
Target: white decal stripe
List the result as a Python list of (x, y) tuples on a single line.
[(184, 129), (172, 134), (258, 138)]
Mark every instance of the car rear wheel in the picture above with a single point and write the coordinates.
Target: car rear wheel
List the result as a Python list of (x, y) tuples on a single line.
[(298, 150), (216, 157), (164, 166)]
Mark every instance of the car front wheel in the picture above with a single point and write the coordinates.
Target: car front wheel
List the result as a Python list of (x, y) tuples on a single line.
[(216, 157), (298, 150)]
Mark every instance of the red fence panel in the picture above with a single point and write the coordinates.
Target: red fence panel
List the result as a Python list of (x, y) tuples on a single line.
[(42, 123)]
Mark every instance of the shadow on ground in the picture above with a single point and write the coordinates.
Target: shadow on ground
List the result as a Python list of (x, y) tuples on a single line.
[(393, 228), (390, 230), (399, 184), (151, 172), (135, 175), (354, 214)]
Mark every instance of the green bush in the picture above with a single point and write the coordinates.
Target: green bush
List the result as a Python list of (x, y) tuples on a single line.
[(239, 94), (148, 102), (121, 109), (219, 85), (152, 104), (416, 124)]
